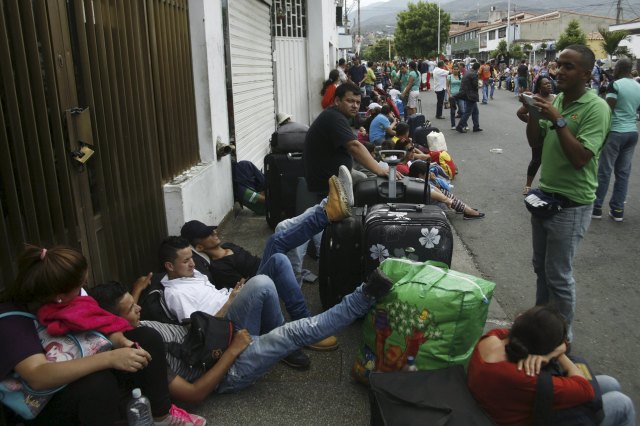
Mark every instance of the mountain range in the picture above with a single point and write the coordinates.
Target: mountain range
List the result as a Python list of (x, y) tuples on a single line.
[(382, 16)]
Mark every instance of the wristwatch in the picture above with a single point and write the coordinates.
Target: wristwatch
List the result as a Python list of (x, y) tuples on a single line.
[(559, 123)]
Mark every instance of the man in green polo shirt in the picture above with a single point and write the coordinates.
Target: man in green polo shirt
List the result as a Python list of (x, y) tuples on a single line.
[(572, 129)]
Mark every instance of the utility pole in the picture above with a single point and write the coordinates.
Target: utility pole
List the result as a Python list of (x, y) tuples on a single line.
[(508, 23), (359, 18), (619, 12), (438, 49)]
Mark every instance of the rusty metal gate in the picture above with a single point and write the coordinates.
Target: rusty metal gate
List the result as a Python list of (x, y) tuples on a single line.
[(96, 112)]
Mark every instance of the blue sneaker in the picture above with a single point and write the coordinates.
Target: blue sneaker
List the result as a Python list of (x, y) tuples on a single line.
[(617, 215), (597, 213)]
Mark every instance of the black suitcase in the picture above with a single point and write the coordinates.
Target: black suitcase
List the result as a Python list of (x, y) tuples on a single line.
[(415, 231), (281, 173), (340, 264), (377, 190), (287, 141), (420, 134), (414, 121)]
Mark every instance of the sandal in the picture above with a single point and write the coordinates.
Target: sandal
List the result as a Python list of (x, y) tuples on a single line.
[(525, 190)]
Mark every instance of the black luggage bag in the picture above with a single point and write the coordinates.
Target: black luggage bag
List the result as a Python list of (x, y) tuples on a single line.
[(281, 174), (377, 190), (414, 121), (340, 264), (434, 397), (283, 142), (414, 231)]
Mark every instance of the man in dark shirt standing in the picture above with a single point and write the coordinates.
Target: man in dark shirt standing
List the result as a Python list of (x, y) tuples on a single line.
[(357, 72), (469, 94), (522, 80)]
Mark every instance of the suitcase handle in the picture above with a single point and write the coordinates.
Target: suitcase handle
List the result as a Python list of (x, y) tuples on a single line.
[(411, 208), (294, 155), (386, 153)]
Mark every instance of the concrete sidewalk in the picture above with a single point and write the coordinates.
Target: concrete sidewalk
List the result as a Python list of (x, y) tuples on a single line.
[(325, 394)]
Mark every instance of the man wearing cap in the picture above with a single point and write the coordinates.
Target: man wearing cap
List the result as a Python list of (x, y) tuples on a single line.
[(226, 264)]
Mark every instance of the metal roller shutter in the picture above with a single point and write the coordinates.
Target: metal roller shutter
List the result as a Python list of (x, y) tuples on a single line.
[(252, 85)]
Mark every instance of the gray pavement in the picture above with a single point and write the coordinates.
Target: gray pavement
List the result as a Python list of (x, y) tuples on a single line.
[(325, 394)]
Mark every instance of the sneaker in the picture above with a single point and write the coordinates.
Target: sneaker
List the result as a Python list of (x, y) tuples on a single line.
[(325, 345), (440, 118), (179, 417), (344, 176), (477, 130), (453, 128), (378, 284), (461, 130), (596, 213), (617, 215), (337, 207), (480, 215), (297, 359)]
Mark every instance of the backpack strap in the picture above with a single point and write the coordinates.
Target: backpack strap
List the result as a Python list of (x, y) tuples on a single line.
[(18, 314), (542, 406)]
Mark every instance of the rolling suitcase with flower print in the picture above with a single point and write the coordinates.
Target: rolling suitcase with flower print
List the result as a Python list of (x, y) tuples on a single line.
[(414, 231)]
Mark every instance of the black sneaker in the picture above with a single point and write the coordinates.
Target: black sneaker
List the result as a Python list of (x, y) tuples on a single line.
[(617, 215), (477, 130), (378, 284), (298, 360), (461, 130), (596, 213)]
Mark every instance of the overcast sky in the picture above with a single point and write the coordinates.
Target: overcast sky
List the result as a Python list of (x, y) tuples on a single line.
[(367, 2)]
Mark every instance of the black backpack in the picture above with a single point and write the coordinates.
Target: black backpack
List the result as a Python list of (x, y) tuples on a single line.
[(587, 414), (154, 307), (207, 339)]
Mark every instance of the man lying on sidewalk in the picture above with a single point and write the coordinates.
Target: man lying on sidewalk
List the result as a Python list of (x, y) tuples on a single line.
[(250, 355), (186, 290)]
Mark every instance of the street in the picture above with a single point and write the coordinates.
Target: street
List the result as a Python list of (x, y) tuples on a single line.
[(605, 327)]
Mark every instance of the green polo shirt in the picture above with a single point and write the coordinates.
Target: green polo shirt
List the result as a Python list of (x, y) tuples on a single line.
[(588, 119)]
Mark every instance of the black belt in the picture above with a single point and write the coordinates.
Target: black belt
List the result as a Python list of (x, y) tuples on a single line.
[(564, 202)]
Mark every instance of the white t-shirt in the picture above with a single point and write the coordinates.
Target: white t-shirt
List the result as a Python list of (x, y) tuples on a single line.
[(394, 93), (440, 79), (189, 294)]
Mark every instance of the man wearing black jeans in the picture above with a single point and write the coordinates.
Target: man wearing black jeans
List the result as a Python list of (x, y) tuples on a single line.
[(469, 93)]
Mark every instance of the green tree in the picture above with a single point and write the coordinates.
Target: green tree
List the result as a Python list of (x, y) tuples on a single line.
[(611, 42), (379, 51), (515, 52), (416, 32), (501, 49), (572, 35)]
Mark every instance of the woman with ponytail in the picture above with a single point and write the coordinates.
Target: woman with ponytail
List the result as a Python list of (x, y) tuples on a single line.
[(329, 89), (503, 370)]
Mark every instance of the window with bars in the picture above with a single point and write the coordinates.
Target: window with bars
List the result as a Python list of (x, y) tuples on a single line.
[(289, 18)]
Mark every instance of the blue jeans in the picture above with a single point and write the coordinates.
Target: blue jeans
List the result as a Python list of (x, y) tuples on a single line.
[(256, 307), (485, 91), (296, 253), (618, 407), (555, 242), (493, 87), (459, 104), (266, 350), (276, 265), (470, 110), (616, 156)]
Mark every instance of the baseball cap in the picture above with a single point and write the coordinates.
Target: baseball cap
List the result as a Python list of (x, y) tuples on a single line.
[(281, 117), (195, 229), (373, 105), (599, 62)]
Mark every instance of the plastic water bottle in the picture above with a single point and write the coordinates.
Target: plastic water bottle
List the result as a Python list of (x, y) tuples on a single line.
[(139, 410), (410, 365)]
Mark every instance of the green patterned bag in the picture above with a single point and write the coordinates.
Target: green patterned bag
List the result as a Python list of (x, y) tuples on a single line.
[(432, 313)]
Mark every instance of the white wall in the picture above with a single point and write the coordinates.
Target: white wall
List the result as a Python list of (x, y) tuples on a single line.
[(633, 43), (205, 192), (322, 38)]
